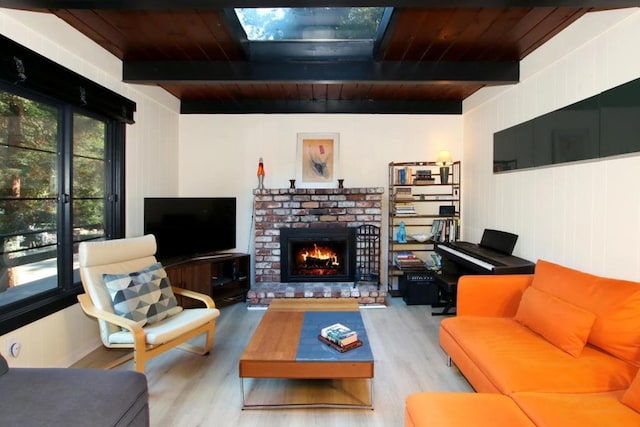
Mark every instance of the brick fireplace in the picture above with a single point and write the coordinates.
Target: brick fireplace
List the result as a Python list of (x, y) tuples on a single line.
[(314, 209)]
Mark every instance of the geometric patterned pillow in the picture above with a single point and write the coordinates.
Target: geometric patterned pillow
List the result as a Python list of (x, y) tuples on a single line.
[(144, 296)]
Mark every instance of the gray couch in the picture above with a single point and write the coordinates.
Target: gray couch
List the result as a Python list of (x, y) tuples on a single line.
[(72, 397)]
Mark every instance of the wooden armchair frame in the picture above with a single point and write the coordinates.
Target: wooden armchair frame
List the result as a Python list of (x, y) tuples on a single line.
[(142, 350)]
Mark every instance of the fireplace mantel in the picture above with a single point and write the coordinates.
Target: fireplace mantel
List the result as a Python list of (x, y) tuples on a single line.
[(307, 207), (317, 191)]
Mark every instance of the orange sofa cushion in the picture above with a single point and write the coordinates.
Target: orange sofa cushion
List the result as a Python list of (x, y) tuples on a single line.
[(631, 397), (494, 346), (583, 410), (491, 295), (463, 409), (616, 304), (562, 324)]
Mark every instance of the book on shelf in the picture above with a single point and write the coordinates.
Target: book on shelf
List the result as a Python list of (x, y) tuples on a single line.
[(404, 176), (404, 209), (339, 334), (445, 230), (404, 255), (424, 181), (423, 174), (410, 264), (403, 193), (407, 260), (436, 229)]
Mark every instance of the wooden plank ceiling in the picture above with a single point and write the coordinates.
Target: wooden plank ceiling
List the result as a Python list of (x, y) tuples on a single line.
[(430, 59)]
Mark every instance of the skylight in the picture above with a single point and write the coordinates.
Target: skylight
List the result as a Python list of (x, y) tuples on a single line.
[(312, 24)]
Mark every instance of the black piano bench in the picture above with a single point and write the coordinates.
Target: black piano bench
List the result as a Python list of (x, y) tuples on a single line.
[(448, 286)]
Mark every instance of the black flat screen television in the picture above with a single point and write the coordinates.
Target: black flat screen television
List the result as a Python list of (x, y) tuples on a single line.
[(190, 226)]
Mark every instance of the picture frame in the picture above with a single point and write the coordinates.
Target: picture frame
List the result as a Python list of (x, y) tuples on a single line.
[(317, 160)]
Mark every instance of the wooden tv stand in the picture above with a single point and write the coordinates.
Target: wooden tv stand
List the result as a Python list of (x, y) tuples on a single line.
[(224, 277)]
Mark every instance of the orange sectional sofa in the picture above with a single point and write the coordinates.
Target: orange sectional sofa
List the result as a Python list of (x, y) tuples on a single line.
[(558, 347)]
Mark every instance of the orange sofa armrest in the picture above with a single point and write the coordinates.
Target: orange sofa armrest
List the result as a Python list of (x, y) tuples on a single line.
[(491, 296)]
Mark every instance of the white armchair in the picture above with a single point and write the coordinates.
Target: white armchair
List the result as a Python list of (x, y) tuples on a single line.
[(124, 257)]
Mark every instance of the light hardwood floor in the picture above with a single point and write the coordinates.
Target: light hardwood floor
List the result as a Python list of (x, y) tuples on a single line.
[(190, 390)]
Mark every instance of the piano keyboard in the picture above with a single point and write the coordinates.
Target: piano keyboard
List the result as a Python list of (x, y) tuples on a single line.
[(476, 261)]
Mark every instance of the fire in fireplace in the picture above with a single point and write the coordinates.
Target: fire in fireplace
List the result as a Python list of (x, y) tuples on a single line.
[(319, 261), (313, 255)]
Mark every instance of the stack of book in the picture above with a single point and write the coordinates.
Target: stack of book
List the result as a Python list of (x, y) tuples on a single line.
[(423, 177), (423, 174), (404, 209), (340, 337), (403, 193), (407, 260), (424, 181)]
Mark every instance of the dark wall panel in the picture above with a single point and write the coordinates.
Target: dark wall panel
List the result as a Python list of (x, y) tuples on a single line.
[(620, 120), (513, 148), (604, 125), (567, 135)]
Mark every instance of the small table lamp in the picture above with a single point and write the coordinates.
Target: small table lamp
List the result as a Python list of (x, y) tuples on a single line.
[(444, 160)]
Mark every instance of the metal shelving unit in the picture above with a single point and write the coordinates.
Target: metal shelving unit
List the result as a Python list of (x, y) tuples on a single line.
[(417, 202)]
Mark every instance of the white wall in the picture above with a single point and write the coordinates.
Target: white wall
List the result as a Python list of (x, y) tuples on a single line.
[(151, 154), (582, 215), (219, 153)]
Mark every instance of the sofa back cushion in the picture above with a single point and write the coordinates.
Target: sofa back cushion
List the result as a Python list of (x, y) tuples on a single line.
[(562, 324), (616, 304)]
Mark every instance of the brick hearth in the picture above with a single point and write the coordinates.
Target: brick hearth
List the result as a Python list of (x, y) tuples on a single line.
[(309, 208), (368, 295)]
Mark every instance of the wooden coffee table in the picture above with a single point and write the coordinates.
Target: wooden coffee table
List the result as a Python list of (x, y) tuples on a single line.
[(287, 366)]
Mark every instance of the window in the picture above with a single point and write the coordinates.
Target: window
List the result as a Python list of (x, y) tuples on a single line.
[(89, 184), (61, 183), (29, 135), (311, 24), (310, 33)]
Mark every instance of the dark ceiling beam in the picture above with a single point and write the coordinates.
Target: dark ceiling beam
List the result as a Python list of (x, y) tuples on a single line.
[(321, 72), (276, 106), (219, 4)]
